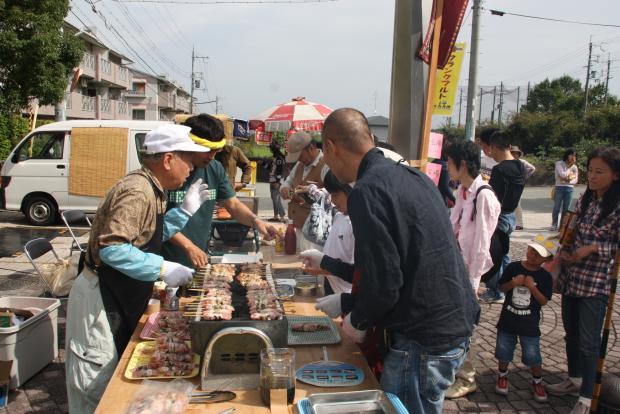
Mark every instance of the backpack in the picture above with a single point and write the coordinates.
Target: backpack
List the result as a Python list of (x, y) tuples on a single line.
[(500, 242)]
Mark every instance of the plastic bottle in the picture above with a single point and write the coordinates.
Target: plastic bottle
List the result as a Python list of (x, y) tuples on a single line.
[(290, 239)]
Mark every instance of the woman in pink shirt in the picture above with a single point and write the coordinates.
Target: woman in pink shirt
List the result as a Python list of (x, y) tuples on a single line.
[(474, 218)]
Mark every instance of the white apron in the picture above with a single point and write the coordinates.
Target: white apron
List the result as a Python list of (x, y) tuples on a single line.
[(90, 357)]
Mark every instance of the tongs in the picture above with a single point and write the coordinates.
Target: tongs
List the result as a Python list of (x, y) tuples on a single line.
[(208, 397)]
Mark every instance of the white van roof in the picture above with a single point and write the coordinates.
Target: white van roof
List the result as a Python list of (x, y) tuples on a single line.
[(67, 125)]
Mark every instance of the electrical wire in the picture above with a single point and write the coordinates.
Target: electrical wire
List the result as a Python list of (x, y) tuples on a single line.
[(502, 13)]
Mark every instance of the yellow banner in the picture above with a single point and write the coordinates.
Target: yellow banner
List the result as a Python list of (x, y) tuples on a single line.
[(447, 81)]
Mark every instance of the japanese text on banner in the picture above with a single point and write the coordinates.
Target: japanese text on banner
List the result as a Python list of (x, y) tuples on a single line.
[(447, 82)]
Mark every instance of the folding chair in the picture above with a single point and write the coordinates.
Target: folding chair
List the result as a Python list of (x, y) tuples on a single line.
[(35, 249), (71, 217)]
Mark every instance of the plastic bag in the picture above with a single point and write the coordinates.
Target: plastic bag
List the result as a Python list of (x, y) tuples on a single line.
[(554, 267), (156, 397), (61, 275), (318, 224)]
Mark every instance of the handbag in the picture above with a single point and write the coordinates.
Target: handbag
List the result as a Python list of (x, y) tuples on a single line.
[(318, 224), (553, 193)]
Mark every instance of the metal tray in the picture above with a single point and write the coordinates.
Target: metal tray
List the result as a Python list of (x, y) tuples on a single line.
[(331, 336), (354, 402)]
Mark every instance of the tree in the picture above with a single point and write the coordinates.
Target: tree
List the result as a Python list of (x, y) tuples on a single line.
[(37, 55), (561, 94)]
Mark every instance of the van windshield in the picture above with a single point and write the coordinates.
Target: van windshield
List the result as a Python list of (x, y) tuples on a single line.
[(42, 146)]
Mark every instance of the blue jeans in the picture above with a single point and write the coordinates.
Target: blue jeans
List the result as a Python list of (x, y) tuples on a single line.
[(418, 377), (583, 320), (505, 223), (278, 210), (562, 200), (530, 348)]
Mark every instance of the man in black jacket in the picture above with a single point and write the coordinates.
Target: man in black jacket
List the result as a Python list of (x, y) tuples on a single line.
[(412, 278)]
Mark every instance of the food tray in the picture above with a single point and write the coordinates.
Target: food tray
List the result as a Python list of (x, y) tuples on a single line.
[(331, 336), (354, 402), (150, 327), (141, 356), (330, 374)]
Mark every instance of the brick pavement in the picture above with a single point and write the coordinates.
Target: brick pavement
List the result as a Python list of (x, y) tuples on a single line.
[(45, 392)]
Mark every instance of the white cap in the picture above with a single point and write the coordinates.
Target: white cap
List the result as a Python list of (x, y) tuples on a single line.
[(169, 138), (545, 246), (296, 144)]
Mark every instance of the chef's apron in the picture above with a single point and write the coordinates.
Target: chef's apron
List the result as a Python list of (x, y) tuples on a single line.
[(124, 298)]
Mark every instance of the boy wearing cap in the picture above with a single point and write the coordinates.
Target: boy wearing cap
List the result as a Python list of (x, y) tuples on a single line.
[(123, 260), (528, 287)]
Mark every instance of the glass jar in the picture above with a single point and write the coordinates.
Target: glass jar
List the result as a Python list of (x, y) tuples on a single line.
[(277, 371)]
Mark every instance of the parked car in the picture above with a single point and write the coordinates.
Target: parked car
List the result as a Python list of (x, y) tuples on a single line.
[(35, 178)]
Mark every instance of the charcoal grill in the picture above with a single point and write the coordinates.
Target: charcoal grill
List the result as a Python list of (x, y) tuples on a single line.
[(202, 331), (232, 359)]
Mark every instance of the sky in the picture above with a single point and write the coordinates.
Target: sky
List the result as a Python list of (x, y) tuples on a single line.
[(339, 53)]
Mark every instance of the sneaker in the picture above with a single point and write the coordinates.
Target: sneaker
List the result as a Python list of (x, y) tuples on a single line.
[(554, 227), (460, 388), (566, 387), (501, 385), (488, 297), (580, 408), (519, 228), (538, 389)]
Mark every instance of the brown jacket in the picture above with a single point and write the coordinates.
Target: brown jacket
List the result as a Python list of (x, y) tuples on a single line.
[(232, 157), (298, 209)]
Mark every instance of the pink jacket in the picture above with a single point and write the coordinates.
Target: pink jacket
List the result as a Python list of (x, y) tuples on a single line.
[(474, 237)]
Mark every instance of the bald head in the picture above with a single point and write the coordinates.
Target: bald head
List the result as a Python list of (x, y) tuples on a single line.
[(349, 128)]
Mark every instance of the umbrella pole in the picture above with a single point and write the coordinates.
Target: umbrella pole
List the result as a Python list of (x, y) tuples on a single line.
[(605, 338)]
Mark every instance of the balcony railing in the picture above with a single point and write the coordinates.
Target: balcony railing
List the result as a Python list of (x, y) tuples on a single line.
[(124, 74), (106, 67), (135, 94), (105, 105), (88, 61), (88, 104), (122, 108)]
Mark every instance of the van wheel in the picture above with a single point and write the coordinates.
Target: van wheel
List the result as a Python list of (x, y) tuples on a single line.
[(41, 211)]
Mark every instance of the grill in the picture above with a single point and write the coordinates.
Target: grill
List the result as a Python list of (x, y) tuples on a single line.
[(202, 331)]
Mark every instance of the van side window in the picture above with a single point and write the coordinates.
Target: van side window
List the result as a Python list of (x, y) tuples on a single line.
[(42, 146), (140, 144)]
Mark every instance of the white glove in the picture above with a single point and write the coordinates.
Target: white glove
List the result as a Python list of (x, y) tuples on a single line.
[(330, 304), (354, 334), (197, 193), (175, 274), (311, 258)]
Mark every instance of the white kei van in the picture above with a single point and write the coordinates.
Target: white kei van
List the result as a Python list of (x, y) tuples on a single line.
[(37, 176)]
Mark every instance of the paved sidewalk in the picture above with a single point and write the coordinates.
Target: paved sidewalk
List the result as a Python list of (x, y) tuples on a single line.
[(45, 392)]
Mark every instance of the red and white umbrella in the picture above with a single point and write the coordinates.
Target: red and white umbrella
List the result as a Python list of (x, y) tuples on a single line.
[(298, 114)]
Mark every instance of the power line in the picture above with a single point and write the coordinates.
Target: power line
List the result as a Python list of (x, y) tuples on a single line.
[(502, 13)]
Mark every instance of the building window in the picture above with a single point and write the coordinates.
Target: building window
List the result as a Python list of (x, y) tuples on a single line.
[(138, 114), (139, 87)]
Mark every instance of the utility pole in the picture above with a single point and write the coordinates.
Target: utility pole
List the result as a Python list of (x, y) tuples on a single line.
[(500, 106), (460, 106), (585, 106), (607, 77), (527, 96), (518, 93), (493, 109), (472, 84), (191, 94)]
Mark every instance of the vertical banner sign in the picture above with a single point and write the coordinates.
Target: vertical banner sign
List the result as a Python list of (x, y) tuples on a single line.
[(451, 19), (444, 96)]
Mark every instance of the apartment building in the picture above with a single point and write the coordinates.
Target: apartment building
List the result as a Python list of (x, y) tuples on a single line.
[(155, 98), (107, 88)]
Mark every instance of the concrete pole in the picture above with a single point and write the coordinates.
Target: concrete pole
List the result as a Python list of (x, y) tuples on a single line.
[(493, 108), (585, 106), (472, 84), (460, 106), (480, 109), (409, 76), (518, 93), (500, 106), (191, 88)]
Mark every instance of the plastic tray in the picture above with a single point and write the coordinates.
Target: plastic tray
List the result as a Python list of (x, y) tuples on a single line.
[(141, 356), (331, 336), (330, 374)]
